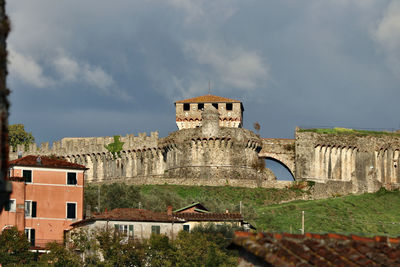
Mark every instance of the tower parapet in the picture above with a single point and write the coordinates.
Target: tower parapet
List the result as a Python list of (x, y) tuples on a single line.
[(189, 111)]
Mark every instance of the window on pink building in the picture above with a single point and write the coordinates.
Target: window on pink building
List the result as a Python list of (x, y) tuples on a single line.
[(10, 205), (27, 174), (30, 234), (71, 210), (30, 208), (71, 178)]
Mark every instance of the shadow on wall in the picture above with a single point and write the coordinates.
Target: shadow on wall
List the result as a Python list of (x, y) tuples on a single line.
[(280, 170)]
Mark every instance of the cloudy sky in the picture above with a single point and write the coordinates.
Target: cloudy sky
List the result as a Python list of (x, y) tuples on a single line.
[(103, 68)]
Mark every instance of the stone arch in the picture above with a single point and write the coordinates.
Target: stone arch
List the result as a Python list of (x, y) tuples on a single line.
[(282, 159), (281, 163)]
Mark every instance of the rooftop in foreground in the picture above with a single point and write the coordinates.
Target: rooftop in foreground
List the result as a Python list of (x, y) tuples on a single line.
[(319, 250)]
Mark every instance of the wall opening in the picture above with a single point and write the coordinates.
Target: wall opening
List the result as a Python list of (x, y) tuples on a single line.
[(215, 105), (186, 106), (280, 170)]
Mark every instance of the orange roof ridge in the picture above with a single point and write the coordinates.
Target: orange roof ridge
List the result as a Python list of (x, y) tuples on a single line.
[(208, 99), (45, 162)]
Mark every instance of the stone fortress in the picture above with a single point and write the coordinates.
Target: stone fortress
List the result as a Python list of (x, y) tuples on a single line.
[(211, 148)]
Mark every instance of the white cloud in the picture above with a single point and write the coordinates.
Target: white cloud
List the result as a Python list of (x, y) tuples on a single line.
[(204, 11), (387, 34), (96, 76), (237, 67), (28, 70), (68, 71), (67, 68)]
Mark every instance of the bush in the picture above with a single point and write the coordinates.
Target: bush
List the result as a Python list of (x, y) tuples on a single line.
[(14, 248)]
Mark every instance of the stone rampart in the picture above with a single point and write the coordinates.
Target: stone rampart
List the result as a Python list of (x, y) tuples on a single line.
[(368, 162), (340, 163), (86, 145)]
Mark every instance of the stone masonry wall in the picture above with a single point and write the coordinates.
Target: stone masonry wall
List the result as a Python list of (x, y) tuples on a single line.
[(210, 155), (192, 118), (365, 162), (282, 150)]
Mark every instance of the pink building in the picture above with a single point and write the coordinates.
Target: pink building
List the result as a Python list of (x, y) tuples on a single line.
[(47, 198)]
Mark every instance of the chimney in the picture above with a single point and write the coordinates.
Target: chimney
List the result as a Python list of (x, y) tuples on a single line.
[(169, 210), (226, 211), (39, 160)]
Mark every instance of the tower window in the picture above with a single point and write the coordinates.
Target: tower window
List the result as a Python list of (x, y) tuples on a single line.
[(186, 106), (200, 106), (229, 106), (215, 105)]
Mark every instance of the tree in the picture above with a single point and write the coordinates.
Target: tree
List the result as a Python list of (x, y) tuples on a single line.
[(117, 249), (194, 249), (18, 136), (59, 256), (14, 247), (160, 251)]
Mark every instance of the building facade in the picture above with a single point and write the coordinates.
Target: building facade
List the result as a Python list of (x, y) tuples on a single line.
[(47, 198)]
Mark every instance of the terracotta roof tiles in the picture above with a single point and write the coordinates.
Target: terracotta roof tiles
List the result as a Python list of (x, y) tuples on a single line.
[(209, 216), (208, 99), (128, 214), (140, 215), (45, 162), (320, 250)]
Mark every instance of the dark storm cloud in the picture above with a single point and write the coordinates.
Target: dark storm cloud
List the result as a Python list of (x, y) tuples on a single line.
[(94, 68)]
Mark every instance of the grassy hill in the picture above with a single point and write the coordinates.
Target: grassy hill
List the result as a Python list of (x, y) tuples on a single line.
[(367, 214)]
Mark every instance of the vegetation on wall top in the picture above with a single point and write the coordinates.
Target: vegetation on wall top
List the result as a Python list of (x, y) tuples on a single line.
[(116, 147), (339, 130)]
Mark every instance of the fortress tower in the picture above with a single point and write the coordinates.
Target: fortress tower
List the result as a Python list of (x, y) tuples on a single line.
[(188, 111)]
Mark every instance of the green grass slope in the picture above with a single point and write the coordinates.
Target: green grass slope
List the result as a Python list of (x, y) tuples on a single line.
[(367, 214)]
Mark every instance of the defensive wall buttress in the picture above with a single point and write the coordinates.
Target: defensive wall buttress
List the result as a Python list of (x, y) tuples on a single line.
[(212, 148)]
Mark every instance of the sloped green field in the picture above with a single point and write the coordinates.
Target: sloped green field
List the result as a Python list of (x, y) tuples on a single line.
[(366, 214)]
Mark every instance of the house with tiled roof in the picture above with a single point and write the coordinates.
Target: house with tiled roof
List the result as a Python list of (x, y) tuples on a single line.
[(189, 111), (47, 198), (282, 249), (196, 214), (140, 223), (194, 207), (135, 223)]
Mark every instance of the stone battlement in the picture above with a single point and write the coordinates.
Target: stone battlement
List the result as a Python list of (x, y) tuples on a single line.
[(86, 145), (211, 153)]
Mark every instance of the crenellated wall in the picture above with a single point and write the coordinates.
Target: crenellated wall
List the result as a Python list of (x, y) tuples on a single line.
[(339, 163), (86, 145), (213, 152), (210, 154), (366, 162)]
